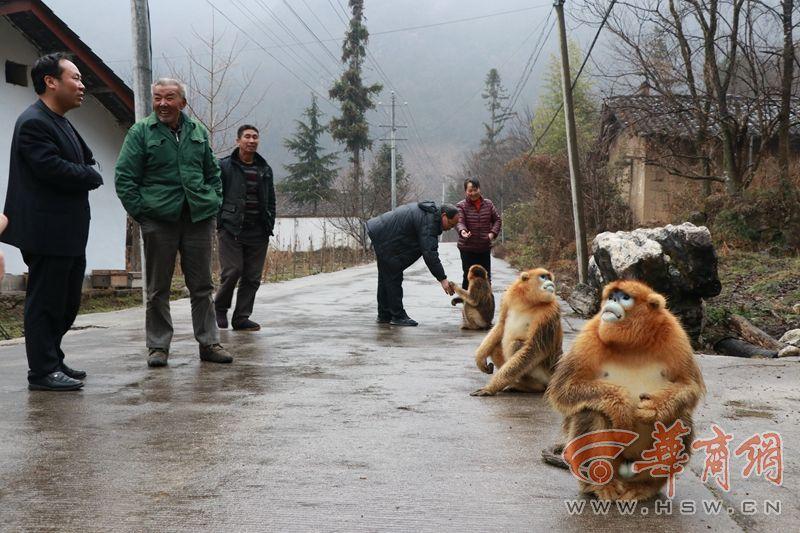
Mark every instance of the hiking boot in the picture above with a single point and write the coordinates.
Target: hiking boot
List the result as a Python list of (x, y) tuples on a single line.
[(157, 357), (215, 353), (246, 325), (222, 319), (405, 321)]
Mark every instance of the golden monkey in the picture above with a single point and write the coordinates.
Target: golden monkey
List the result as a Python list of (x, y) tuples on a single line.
[(478, 301), (630, 367), (526, 341)]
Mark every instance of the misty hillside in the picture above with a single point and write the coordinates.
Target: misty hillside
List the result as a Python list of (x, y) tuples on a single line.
[(439, 70)]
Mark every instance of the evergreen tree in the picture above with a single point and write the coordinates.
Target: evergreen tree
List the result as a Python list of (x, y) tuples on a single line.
[(380, 179), (351, 128), (311, 177), (551, 97), (496, 95)]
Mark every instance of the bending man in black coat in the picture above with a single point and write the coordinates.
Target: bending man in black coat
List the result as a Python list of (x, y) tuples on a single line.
[(399, 238), (50, 176)]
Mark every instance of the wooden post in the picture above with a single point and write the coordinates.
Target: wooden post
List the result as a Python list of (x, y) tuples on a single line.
[(142, 80), (572, 150)]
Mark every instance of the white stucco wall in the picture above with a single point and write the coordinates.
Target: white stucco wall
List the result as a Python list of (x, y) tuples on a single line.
[(308, 233), (100, 130)]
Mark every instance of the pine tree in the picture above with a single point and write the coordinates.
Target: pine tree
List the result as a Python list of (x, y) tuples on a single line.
[(380, 179), (351, 128), (496, 95), (311, 178)]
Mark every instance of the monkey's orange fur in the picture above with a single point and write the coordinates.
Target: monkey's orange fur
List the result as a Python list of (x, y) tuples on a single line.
[(628, 375)]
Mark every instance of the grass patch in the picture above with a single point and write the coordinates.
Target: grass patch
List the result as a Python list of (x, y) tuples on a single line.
[(758, 286), (281, 266)]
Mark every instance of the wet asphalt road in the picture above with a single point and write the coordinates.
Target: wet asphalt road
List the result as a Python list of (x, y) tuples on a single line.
[(327, 421)]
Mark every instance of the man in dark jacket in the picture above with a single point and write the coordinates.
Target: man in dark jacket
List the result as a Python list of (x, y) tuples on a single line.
[(50, 176), (478, 226), (399, 238), (244, 225)]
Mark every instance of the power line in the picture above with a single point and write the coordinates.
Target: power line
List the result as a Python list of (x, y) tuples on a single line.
[(314, 14), (458, 21), (293, 73), (526, 75), (292, 35), (307, 27), (294, 55), (385, 32), (575, 81), (503, 64)]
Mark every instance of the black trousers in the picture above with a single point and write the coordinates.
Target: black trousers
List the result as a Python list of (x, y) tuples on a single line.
[(52, 300), (390, 290), (475, 258), (242, 263)]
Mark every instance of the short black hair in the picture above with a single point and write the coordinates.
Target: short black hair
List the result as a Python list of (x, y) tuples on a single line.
[(449, 210), (474, 181), (49, 65), (245, 127)]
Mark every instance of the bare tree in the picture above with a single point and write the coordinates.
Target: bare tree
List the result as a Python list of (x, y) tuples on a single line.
[(216, 98), (712, 62)]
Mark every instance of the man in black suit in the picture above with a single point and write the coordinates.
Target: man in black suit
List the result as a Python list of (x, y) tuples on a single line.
[(50, 176)]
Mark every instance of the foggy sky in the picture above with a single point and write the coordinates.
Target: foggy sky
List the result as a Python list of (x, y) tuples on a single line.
[(439, 71)]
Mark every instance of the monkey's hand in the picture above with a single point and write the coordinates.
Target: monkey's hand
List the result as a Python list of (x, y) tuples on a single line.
[(485, 366), (646, 410), (614, 403), (482, 392)]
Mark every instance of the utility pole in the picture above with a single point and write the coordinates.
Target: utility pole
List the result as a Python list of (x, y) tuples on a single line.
[(572, 150), (393, 146), (142, 80)]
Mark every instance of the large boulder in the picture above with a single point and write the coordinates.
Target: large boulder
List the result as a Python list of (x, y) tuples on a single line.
[(677, 261)]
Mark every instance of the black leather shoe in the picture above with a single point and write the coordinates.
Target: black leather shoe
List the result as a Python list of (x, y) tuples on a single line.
[(403, 322), (71, 372), (246, 325), (54, 381)]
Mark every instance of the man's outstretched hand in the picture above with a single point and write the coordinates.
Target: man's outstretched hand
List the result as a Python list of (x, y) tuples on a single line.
[(447, 286)]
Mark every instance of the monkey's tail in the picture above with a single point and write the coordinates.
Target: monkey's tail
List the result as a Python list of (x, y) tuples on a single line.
[(457, 300)]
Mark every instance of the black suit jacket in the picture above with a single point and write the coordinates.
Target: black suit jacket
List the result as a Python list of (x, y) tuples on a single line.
[(47, 203)]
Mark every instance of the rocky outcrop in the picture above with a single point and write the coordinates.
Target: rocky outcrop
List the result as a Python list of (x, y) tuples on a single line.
[(677, 261)]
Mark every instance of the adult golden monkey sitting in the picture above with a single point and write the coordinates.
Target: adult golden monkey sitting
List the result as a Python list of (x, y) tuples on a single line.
[(631, 367)]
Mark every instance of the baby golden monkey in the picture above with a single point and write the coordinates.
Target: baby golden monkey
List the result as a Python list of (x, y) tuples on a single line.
[(478, 301), (630, 367), (526, 341)]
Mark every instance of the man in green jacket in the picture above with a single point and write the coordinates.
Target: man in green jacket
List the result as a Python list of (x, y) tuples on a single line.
[(168, 180)]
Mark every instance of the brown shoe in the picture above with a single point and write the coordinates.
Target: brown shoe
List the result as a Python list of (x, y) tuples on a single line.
[(157, 357), (215, 353)]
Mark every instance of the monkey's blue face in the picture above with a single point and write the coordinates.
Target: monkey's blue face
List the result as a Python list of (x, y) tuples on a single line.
[(546, 281), (616, 305)]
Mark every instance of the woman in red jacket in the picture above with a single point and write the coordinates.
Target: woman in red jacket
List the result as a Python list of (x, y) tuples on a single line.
[(478, 226)]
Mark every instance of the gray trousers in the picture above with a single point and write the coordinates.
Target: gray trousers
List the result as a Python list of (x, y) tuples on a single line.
[(243, 263), (162, 241)]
